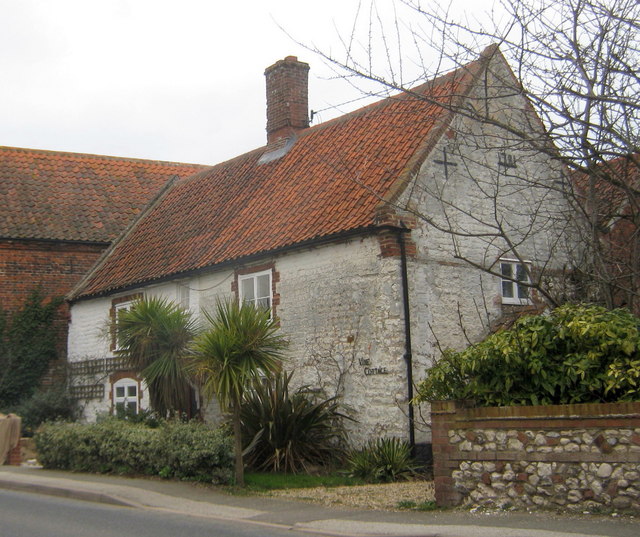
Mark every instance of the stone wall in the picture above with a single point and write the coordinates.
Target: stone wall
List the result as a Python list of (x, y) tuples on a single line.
[(580, 457), (340, 307)]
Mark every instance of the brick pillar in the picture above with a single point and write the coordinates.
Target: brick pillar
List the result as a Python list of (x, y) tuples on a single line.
[(15, 458), (442, 419)]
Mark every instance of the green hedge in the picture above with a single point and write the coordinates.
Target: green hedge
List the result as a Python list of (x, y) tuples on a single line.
[(180, 450), (576, 354)]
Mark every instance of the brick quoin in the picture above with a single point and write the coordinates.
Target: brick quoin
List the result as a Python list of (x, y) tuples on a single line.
[(390, 247)]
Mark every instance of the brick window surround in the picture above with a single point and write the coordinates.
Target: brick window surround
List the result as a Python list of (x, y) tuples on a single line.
[(275, 279)]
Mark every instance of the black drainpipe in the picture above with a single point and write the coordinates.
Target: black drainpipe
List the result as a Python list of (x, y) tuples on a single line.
[(408, 357)]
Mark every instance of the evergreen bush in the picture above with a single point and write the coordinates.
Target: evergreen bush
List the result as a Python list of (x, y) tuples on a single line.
[(53, 404), (575, 354), (174, 449)]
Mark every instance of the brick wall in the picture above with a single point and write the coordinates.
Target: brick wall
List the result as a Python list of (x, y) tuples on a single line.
[(15, 456), (53, 266), (573, 456)]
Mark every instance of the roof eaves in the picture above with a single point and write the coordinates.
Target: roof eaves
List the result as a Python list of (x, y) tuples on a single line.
[(309, 243)]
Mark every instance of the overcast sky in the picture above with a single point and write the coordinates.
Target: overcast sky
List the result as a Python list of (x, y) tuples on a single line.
[(162, 79), (168, 80)]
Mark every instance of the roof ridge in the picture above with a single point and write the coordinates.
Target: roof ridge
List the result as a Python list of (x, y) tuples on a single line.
[(72, 154), (401, 94)]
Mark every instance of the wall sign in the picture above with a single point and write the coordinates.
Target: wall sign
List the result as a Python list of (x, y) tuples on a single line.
[(369, 370)]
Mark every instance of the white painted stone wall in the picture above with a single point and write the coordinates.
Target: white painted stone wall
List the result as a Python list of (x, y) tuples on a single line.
[(453, 301), (340, 307), (474, 199)]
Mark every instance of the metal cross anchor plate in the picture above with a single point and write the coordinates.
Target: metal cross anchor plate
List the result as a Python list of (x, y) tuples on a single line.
[(445, 162)]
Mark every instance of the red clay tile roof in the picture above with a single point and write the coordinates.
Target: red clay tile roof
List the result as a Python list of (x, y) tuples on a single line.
[(330, 182), (74, 197)]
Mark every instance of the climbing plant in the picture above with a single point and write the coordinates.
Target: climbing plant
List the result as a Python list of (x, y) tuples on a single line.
[(27, 346)]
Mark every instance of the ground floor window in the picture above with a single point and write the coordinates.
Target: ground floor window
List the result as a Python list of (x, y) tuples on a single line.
[(126, 396)]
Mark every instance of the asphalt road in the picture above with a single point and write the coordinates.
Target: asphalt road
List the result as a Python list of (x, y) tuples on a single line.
[(34, 515), (141, 507)]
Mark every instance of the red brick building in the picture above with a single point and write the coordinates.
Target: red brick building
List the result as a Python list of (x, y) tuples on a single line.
[(60, 211)]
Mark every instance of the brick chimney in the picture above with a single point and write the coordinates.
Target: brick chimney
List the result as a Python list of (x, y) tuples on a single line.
[(287, 98)]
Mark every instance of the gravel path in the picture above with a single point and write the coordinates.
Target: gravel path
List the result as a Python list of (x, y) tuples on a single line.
[(384, 496)]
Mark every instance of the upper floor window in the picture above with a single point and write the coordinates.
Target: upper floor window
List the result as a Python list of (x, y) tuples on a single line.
[(514, 285), (119, 309), (118, 306), (182, 295), (256, 289)]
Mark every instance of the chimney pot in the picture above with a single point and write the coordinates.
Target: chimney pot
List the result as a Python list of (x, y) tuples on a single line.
[(287, 98)]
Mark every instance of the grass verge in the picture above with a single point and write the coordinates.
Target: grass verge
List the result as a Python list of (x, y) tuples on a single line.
[(265, 482)]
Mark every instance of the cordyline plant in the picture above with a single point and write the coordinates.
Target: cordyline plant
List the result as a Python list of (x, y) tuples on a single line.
[(240, 345), (154, 336)]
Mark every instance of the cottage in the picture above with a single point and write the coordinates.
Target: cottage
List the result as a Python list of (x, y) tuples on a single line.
[(371, 238)]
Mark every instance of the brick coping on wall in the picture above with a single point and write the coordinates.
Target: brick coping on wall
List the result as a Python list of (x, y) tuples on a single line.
[(534, 435)]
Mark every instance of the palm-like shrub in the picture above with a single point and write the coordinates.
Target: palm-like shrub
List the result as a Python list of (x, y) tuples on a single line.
[(154, 336), (290, 432), (382, 460), (241, 345)]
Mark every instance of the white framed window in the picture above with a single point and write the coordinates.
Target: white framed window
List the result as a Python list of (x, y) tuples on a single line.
[(255, 289), (125, 395), (118, 309), (182, 295), (513, 285)]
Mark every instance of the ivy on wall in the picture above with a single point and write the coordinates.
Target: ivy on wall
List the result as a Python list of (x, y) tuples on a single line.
[(27, 346)]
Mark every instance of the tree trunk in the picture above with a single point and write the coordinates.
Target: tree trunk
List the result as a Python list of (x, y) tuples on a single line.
[(237, 440)]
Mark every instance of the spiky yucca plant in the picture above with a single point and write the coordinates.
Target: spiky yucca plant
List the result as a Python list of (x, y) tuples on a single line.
[(290, 432)]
